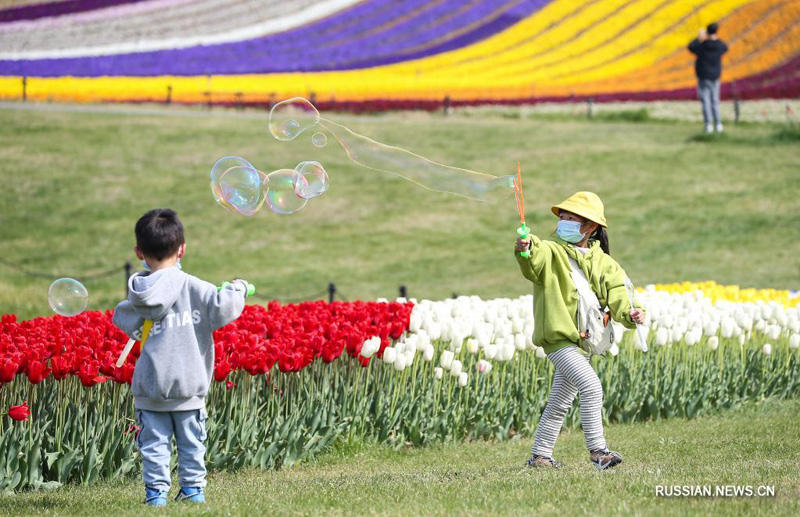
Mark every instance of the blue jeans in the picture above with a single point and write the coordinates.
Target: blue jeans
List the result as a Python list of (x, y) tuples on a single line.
[(155, 446), (708, 92)]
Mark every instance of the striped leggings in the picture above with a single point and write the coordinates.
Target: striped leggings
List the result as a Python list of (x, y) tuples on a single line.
[(574, 374)]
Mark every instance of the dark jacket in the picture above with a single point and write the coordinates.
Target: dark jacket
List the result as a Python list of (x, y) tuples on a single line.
[(709, 57)]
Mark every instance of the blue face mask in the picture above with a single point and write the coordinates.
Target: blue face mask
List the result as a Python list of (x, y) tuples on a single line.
[(570, 231)]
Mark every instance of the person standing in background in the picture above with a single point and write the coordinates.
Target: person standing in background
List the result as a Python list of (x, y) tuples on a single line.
[(709, 50)]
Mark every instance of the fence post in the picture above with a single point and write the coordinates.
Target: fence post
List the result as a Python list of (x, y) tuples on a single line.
[(403, 292), (737, 104), (589, 104), (128, 268), (239, 101), (169, 95), (446, 104), (331, 292), (24, 88)]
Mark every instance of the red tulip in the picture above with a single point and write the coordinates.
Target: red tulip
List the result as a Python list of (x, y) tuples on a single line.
[(8, 370), (20, 413)]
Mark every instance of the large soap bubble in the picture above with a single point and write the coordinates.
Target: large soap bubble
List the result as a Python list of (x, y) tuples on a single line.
[(282, 195), (293, 116), (315, 180), (289, 118), (67, 297), (237, 185)]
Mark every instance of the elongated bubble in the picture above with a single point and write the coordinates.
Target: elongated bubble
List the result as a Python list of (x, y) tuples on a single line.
[(237, 185), (315, 180), (293, 116), (289, 118)]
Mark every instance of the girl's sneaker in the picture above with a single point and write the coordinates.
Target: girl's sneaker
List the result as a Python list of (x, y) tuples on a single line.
[(538, 461), (191, 494), (153, 497), (605, 459)]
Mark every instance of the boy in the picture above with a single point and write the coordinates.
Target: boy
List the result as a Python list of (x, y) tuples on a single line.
[(708, 66), (175, 367)]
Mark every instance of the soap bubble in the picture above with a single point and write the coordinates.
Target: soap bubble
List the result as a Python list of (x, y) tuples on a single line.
[(289, 118), (293, 116), (314, 180), (281, 194), (319, 139), (67, 297), (237, 185)]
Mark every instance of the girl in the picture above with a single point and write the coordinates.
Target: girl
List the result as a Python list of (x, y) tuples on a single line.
[(581, 236)]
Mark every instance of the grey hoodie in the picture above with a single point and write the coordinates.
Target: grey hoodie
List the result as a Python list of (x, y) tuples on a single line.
[(175, 368)]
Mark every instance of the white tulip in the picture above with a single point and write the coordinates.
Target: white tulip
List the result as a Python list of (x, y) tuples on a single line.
[(540, 353), (727, 326), (389, 355), (794, 341), (455, 368), (490, 351), (759, 326), (519, 342), (446, 359), (662, 336), (774, 332), (614, 350), (713, 342), (414, 322), (410, 354), (472, 346), (427, 354), (435, 331), (438, 372), (400, 362), (484, 366), (767, 349), (462, 379)]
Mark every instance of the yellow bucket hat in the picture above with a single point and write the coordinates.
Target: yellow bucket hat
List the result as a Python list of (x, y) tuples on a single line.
[(584, 204)]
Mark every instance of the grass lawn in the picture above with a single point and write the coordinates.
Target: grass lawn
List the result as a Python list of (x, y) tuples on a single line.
[(755, 445), (678, 208)]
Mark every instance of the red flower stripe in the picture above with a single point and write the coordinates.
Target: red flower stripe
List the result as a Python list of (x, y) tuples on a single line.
[(292, 336)]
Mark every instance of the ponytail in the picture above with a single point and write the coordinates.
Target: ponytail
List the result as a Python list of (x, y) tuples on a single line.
[(601, 235)]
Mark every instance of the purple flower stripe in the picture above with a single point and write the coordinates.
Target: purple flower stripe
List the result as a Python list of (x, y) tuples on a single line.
[(372, 33), (35, 11)]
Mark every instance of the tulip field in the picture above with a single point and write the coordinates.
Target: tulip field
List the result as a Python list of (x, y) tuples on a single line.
[(293, 379)]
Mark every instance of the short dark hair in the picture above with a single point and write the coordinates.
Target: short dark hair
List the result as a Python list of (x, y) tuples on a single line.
[(712, 28), (159, 233)]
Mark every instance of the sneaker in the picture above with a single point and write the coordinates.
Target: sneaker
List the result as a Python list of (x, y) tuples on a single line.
[(709, 128), (153, 497), (191, 494), (605, 459), (538, 461), (719, 127)]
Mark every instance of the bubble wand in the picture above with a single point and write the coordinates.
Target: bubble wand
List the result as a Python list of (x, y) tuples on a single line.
[(639, 330), (523, 231), (148, 324)]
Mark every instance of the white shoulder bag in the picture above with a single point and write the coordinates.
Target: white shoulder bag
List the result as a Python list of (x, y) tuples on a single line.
[(594, 324)]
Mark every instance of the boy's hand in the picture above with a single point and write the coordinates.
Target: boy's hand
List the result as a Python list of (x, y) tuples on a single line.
[(523, 244), (637, 316), (702, 35)]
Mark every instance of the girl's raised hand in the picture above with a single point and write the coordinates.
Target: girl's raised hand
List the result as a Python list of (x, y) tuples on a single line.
[(523, 244), (637, 316)]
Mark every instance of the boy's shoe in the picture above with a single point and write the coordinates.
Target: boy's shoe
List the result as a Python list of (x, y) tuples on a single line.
[(709, 128), (191, 494), (719, 127), (605, 459), (153, 497), (538, 461)]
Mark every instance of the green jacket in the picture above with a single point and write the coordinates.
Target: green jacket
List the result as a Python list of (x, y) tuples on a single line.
[(555, 298)]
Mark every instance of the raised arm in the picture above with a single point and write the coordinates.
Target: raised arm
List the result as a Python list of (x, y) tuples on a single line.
[(531, 267)]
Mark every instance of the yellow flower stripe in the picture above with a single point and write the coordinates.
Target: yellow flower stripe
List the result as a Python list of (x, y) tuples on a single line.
[(567, 47), (732, 293)]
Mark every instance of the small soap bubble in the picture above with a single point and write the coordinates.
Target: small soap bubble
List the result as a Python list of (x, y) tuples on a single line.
[(314, 179), (67, 297), (319, 139), (281, 194), (237, 185), (289, 118)]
